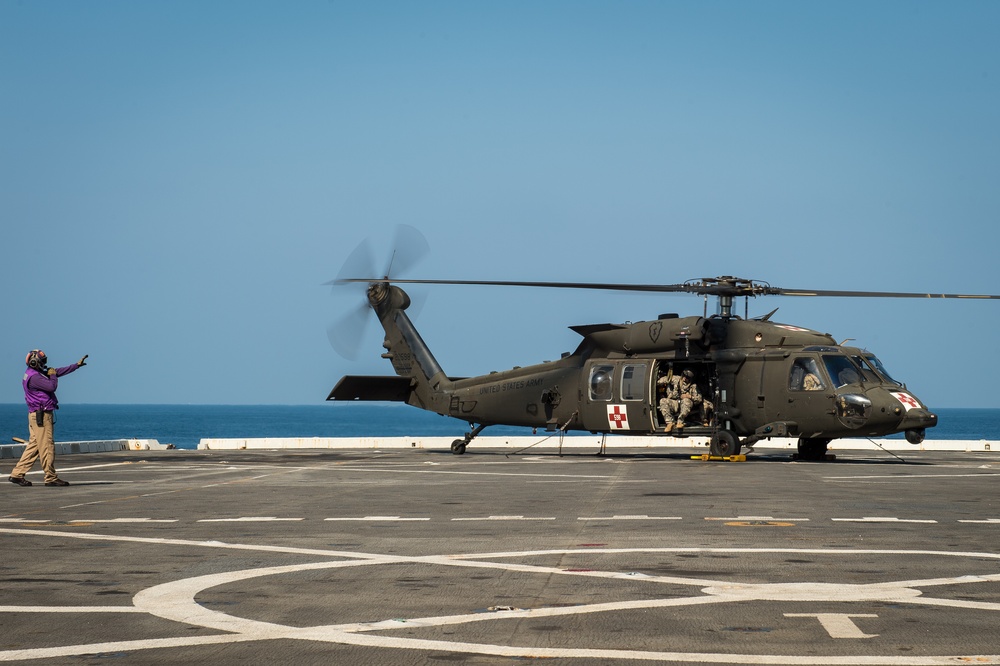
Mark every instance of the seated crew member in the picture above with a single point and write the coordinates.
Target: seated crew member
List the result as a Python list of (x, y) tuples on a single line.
[(681, 394), (811, 383)]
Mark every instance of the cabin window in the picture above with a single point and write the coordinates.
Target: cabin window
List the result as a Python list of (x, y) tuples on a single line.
[(600, 382), (841, 370), (805, 376), (634, 382)]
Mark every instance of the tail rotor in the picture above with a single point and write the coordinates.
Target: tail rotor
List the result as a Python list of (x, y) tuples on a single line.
[(348, 332)]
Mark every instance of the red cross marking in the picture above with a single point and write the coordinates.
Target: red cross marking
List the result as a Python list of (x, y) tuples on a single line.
[(908, 400), (618, 416)]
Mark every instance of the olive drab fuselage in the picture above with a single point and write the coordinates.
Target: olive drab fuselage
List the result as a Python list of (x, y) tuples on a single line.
[(758, 378)]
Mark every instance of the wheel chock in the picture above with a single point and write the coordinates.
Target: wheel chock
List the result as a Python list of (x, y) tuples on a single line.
[(707, 457)]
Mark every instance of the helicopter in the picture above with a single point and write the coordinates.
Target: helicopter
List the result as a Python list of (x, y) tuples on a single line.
[(756, 378)]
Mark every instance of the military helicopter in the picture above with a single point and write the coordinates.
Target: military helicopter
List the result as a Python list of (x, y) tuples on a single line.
[(757, 378)]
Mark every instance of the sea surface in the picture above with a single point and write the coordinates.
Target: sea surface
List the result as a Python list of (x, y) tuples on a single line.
[(185, 425)]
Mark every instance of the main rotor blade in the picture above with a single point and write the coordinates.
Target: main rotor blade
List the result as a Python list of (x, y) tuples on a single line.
[(548, 285), (718, 288), (874, 294)]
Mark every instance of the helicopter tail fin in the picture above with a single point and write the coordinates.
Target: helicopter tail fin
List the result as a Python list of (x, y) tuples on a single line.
[(405, 349)]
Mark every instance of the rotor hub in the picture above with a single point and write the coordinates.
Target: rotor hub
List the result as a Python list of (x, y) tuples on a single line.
[(728, 285), (378, 292)]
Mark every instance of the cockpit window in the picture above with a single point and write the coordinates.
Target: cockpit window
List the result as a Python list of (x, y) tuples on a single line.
[(867, 369), (805, 376), (871, 358), (842, 371)]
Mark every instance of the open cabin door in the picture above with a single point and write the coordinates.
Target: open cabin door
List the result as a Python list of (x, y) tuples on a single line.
[(619, 396), (701, 417)]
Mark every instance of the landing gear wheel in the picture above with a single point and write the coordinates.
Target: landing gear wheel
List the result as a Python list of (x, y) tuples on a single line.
[(458, 447), (724, 444), (812, 448)]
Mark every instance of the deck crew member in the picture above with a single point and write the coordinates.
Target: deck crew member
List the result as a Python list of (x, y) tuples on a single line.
[(40, 383)]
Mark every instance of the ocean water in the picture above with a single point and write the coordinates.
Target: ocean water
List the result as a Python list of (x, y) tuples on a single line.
[(185, 425)]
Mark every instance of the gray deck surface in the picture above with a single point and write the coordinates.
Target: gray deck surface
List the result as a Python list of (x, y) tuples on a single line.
[(422, 557)]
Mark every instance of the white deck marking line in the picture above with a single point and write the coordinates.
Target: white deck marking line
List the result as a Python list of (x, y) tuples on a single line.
[(179, 597), (545, 611), (635, 517), (247, 479), (839, 625), (124, 520), (441, 471), (692, 549), (85, 467), (120, 646), (76, 506), (70, 609), (212, 472), (202, 544), (503, 518), (867, 519), (880, 519), (111, 501), (907, 477), (176, 601), (379, 518), (248, 519)]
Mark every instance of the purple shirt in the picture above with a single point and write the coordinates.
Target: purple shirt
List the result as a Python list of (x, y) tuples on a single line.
[(40, 389)]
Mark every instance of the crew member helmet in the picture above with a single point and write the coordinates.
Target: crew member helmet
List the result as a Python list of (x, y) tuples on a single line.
[(36, 359)]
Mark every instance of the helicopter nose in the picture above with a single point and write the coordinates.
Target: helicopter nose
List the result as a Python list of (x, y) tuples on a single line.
[(915, 419)]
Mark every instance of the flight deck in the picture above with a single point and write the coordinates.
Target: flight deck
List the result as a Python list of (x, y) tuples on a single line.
[(497, 557)]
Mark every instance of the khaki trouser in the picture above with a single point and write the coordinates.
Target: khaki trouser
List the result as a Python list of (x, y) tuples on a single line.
[(674, 410), (41, 444)]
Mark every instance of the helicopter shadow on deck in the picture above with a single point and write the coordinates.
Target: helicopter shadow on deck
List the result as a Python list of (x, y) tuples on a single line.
[(757, 457)]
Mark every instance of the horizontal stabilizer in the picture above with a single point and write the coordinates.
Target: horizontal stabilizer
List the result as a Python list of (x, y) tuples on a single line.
[(359, 387), (587, 329)]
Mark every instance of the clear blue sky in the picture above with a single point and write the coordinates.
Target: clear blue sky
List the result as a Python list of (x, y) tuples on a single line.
[(178, 178)]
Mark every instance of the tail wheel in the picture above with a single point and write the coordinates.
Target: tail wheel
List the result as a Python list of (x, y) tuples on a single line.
[(458, 447), (812, 448), (725, 444)]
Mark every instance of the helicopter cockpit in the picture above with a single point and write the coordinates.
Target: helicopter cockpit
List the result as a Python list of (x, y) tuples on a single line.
[(842, 370), (856, 368), (856, 380), (805, 375), (843, 367), (872, 360)]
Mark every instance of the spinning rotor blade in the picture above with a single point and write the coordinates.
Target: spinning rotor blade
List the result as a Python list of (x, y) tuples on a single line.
[(348, 332), (359, 262), (408, 247)]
